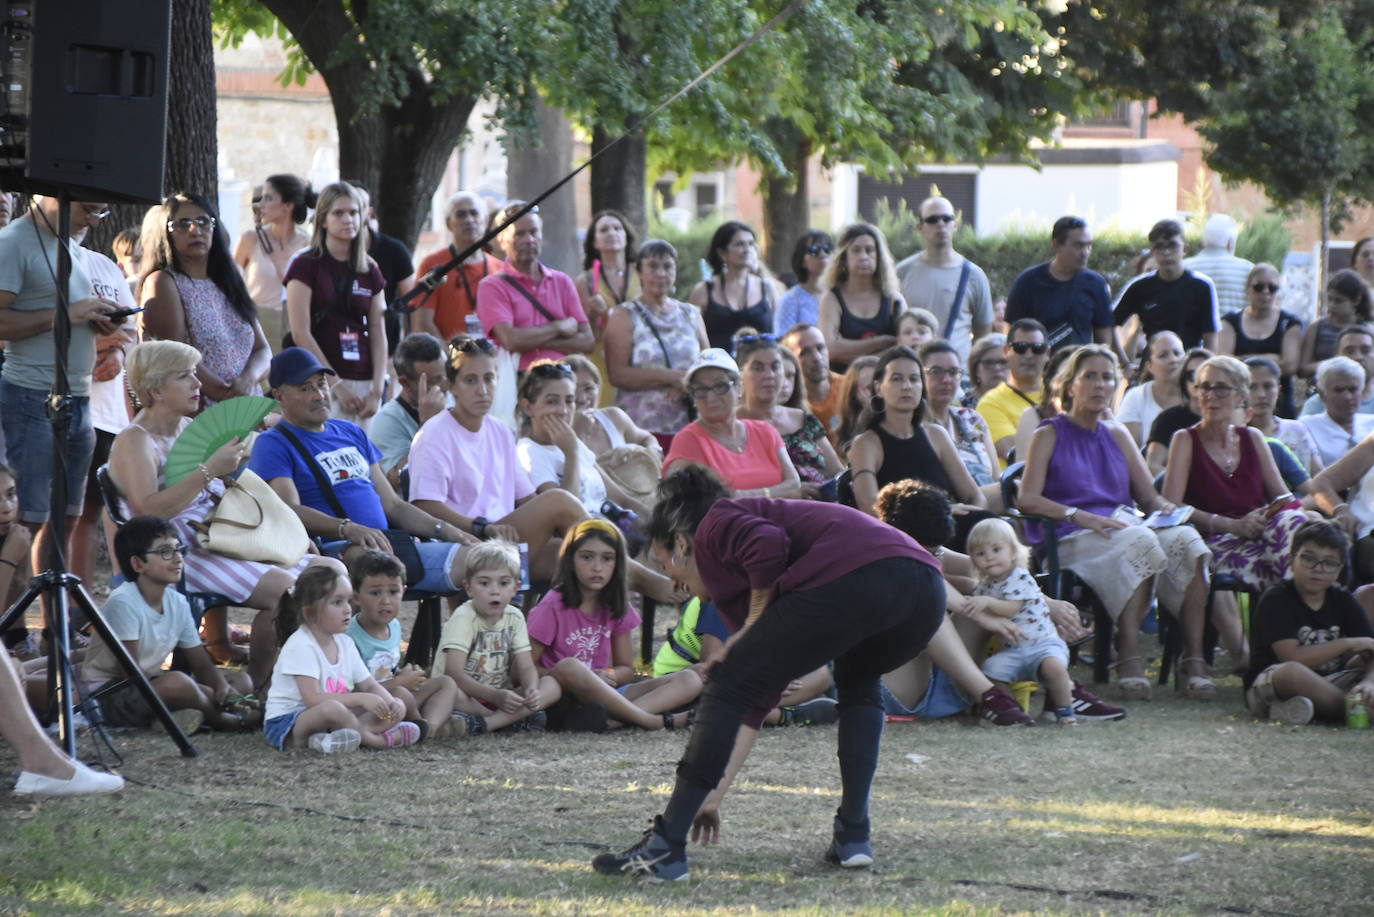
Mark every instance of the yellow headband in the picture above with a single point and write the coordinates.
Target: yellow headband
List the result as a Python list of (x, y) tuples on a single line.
[(595, 525)]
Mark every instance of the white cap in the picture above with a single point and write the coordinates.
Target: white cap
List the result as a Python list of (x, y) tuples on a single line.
[(713, 358)]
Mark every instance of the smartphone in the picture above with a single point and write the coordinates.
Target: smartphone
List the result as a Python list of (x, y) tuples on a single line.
[(118, 315)]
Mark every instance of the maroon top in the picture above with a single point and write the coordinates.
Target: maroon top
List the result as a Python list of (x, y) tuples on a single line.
[(1213, 491), (339, 303), (786, 545)]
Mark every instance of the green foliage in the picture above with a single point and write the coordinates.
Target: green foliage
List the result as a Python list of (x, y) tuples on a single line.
[(900, 225), (691, 249), (1264, 238)]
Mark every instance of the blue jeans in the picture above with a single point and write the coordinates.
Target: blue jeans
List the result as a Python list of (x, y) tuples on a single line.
[(435, 556), (28, 441)]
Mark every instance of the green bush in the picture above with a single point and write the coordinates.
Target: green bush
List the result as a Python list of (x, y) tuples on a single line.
[(1264, 238), (691, 250)]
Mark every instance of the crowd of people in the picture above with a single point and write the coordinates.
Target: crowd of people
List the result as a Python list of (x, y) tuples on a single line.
[(527, 432)]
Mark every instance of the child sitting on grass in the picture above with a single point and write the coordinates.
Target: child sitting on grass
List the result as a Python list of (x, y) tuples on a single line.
[(321, 694), (378, 583), (151, 618), (1006, 589), (485, 647), (1311, 644), (580, 635)]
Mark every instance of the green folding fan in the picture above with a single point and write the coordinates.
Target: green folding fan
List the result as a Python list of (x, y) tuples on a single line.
[(214, 427)]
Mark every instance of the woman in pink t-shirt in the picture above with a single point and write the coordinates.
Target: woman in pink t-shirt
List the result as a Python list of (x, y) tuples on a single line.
[(580, 635), (748, 455)]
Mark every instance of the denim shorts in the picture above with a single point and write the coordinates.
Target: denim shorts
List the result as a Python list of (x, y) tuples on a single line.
[(1021, 662), (942, 698), (278, 729), (435, 556), (28, 440)]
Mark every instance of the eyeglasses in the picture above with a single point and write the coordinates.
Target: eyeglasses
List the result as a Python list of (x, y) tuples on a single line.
[(1207, 388), (185, 224), (994, 363), (940, 372), (938, 218), (1166, 245), (719, 390), (1025, 347), (96, 212), (168, 551), (549, 370), (819, 250), (1319, 564), (1262, 287)]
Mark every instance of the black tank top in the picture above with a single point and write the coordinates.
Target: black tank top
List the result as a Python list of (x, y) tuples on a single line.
[(853, 328), (911, 458), (722, 322)]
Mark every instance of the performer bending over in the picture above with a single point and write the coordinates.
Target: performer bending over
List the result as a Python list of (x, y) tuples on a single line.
[(798, 583)]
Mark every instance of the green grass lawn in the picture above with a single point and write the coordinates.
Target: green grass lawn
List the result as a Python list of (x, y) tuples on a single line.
[(1181, 809)]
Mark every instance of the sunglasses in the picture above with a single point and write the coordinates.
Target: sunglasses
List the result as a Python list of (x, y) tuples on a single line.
[(935, 218), (1025, 347), (466, 344), (1262, 287), (549, 370), (185, 224), (757, 339), (94, 212), (819, 250), (1221, 391)]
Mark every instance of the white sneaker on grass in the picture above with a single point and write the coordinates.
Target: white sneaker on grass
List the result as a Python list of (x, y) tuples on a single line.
[(82, 782), (337, 742), (1295, 711)]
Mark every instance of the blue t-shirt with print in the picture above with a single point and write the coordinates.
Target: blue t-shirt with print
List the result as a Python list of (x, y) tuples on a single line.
[(382, 657), (343, 450)]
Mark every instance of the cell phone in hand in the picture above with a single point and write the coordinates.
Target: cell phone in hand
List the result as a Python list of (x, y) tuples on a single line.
[(118, 315)]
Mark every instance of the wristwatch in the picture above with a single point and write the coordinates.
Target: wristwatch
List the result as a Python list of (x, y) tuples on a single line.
[(1070, 513), (478, 524)]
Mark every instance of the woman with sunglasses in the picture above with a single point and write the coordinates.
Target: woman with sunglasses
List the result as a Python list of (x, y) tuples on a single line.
[(1079, 470), (988, 368), (1262, 329), (549, 449), (762, 369), (649, 343), (164, 379), (896, 443), (748, 455), (965, 426), (801, 304), (464, 470), (193, 293), (1225, 471), (1180, 416), (1158, 388), (858, 312)]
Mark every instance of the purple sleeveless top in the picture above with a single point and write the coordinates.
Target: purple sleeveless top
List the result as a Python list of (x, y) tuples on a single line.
[(1087, 470)]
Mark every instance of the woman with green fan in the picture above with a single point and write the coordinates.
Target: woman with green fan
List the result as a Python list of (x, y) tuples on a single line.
[(162, 377)]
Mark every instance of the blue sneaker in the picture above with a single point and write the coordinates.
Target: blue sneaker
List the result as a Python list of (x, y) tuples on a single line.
[(849, 847), (654, 858)]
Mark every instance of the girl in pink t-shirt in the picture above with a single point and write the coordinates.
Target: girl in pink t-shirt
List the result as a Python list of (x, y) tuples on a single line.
[(580, 635)]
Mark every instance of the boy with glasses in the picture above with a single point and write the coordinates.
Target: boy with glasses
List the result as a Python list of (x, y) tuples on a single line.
[(1169, 298), (151, 618), (939, 279), (1312, 646)]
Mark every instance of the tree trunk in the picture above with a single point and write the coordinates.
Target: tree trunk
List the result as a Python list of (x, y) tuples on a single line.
[(536, 161), (786, 202), (399, 151), (191, 120), (619, 177), (1326, 241)]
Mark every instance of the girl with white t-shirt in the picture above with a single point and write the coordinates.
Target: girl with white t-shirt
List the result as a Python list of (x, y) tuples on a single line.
[(580, 635), (322, 694), (1158, 389)]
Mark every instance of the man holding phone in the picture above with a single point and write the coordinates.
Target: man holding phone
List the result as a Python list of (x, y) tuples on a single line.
[(28, 302)]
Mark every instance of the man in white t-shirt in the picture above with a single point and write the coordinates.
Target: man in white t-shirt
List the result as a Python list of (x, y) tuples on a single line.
[(940, 280), (1337, 430)]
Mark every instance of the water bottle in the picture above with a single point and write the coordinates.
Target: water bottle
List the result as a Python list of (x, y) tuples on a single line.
[(1356, 713)]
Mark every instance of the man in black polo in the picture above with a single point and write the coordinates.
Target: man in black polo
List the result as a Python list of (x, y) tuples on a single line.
[(1169, 298)]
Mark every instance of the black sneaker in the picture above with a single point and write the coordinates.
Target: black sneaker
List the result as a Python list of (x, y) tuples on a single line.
[(849, 846), (654, 858), (821, 711), (1090, 708), (1001, 709), (535, 722)]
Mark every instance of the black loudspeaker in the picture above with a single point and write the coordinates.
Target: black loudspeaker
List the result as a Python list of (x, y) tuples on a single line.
[(84, 100)]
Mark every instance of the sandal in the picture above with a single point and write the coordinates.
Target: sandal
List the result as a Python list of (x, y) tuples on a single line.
[(224, 652), (1133, 687), (670, 720), (1197, 687), (401, 735)]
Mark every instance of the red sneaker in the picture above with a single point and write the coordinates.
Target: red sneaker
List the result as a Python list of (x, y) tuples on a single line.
[(1091, 708), (1001, 709)]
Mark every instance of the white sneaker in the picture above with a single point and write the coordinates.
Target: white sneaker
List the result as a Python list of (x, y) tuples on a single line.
[(336, 742), (84, 782), (1295, 711)]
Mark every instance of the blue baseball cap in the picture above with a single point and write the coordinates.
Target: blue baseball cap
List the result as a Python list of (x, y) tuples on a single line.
[(293, 366)]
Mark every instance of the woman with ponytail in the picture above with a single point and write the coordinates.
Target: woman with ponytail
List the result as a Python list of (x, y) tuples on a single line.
[(798, 583)]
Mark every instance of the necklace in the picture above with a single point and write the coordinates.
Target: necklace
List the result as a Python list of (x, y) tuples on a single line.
[(1227, 455)]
